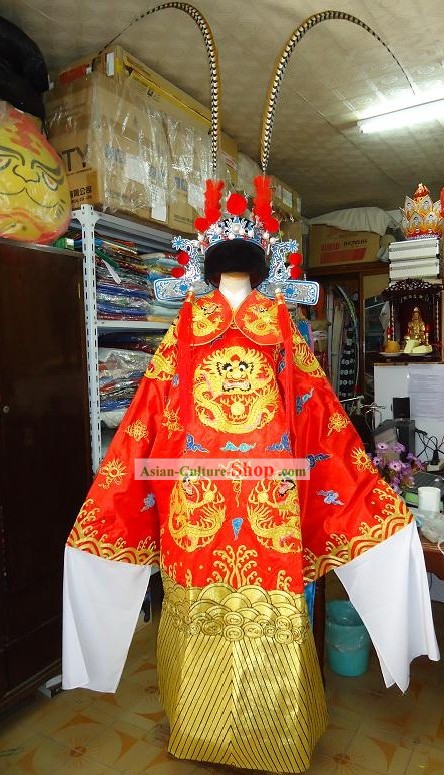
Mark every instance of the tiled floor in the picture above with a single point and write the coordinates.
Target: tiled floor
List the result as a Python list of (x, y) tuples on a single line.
[(372, 729)]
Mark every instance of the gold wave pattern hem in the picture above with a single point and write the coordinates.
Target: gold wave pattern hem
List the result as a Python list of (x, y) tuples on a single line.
[(391, 514), (85, 536), (239, 677)]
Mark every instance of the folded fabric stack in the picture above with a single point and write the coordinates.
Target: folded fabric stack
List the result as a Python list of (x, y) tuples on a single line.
[(412, 258), (124, 284), (120, 372), (116, 302), (121, 278), (147, 342)]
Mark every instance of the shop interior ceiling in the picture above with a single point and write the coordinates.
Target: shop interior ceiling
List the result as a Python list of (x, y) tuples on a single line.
[(336, 74)]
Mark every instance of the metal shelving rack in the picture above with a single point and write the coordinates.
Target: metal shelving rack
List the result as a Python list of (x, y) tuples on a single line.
[(148, 239)]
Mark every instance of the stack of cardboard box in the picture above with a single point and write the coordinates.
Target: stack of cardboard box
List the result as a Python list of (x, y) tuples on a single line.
[(134, 142), (114, 147), (118, 126)]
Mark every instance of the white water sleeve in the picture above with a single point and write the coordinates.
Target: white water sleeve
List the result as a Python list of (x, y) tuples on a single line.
[(388, 587), (102, 600)]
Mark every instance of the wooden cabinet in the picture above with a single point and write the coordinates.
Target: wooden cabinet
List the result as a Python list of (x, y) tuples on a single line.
[(365, 283), (44, 452)]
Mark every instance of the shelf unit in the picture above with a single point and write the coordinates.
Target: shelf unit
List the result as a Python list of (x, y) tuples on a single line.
[(148, 239), (125, 325)]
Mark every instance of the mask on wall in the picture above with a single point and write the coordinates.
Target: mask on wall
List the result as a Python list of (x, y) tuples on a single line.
[(34, 193)]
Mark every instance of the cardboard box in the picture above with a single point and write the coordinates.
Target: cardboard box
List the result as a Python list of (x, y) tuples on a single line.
[(247, 170), (94, 183), (329, 246), (116, 63), (172, 101), (286, 201), (115, 152), (167, 98), (185, 188), (293, 230), (285, 198)]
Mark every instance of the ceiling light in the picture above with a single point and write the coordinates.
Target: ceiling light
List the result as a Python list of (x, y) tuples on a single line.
[(396, 119)]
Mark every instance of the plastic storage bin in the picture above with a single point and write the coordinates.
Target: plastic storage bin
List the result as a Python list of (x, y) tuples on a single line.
[(347, 639)]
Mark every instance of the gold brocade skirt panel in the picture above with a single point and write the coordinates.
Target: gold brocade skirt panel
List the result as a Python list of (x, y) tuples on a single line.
[(239, 677)]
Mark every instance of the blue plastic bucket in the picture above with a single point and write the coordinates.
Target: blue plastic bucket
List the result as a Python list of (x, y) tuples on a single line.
[(347, 639)]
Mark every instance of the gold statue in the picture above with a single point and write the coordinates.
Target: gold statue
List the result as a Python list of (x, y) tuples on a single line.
[(416, 327)]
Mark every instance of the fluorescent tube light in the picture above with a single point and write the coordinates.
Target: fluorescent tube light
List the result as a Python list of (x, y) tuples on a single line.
[(396, 119)]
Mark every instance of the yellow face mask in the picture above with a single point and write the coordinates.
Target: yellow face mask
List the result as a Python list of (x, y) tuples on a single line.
[(35, 204)]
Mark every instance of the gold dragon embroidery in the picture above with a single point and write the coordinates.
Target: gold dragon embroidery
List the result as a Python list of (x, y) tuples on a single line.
[(304, 358), (273, 512), (261, 319), (197, 511), (203, 322), (163, 364), (235, 390)]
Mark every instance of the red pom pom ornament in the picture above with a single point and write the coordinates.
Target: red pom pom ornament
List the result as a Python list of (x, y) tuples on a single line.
[(177, 271), (212, 214), (262, 186), (182, 258), (295, 272), (236, 204), (295, 259), (213, 193)]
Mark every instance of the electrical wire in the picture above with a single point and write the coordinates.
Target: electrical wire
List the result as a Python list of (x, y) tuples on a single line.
[(371, 412), (428, 445)]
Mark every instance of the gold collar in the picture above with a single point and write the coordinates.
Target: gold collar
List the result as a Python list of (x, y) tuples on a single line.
[(256, 317)]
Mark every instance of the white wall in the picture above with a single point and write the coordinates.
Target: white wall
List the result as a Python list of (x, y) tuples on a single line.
[(394, 380)]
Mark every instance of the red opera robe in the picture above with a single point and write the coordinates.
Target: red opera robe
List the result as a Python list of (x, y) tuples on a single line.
[(238, 672)]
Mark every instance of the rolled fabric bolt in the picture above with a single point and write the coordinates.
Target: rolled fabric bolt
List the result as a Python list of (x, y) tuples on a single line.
[(429, 499)]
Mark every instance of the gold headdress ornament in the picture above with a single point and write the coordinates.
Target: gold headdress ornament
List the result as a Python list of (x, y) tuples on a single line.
[(281, 65), (421, 216)]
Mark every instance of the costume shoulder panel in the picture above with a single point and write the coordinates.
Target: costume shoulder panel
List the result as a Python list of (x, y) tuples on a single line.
[(257, 318), (211, 316)]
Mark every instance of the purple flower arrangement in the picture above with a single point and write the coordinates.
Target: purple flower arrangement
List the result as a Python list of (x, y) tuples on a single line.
[(395, 466)]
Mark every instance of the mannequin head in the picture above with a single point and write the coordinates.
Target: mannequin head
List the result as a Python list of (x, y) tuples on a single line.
[(238, 256)]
